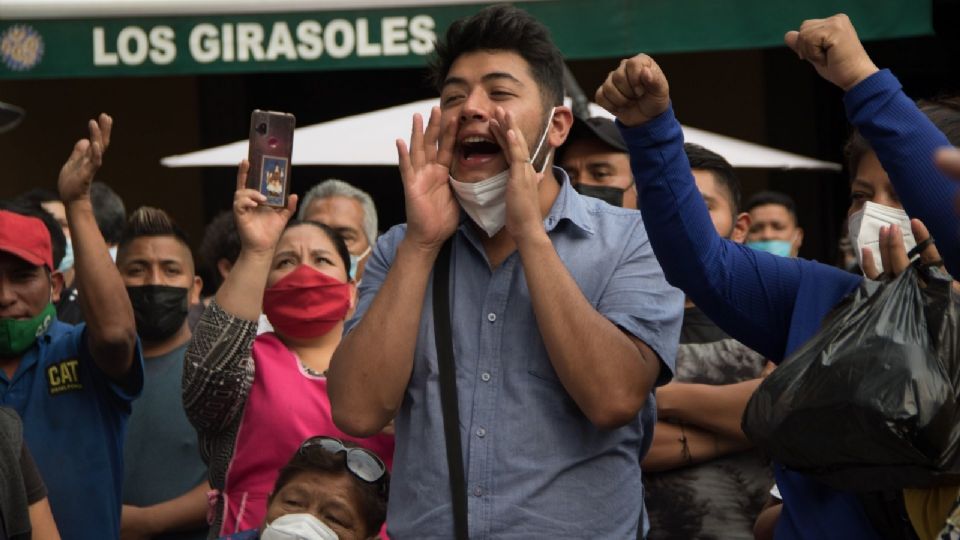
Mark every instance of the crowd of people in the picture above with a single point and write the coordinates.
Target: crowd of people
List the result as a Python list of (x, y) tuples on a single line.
[(560, 342)]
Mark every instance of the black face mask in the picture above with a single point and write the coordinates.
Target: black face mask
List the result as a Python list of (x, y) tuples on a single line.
[(159, 310), (611, 195)]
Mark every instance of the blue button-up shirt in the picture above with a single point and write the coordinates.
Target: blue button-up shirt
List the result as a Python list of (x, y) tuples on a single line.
[(74, 423), (535, 466)]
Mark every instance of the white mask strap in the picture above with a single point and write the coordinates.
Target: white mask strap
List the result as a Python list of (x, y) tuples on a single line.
[(543, 139)]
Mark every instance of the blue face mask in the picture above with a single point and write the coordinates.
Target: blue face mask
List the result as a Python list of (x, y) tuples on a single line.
[(355, 262), (67, 262), (781, 248)]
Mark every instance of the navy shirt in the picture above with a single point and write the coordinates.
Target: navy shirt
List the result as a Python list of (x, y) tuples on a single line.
[(535, 465), (776, 304), (74, 419)]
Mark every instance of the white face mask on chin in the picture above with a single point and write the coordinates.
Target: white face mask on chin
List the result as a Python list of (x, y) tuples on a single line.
[(485, 201), (863, 229), (298, 527)]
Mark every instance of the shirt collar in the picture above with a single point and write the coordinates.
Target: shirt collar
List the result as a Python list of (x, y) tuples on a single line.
[(569, 205)]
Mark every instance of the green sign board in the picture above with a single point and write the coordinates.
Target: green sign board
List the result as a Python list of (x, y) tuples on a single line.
[(384, 38)]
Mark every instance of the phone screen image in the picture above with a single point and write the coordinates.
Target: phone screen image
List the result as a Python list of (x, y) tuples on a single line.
[(273, 175)]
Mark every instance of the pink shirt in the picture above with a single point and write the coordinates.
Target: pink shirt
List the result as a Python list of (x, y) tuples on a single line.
[(286, 406)]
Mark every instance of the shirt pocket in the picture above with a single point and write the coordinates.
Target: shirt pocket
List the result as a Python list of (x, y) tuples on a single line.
[(521, 337), (539, 367)]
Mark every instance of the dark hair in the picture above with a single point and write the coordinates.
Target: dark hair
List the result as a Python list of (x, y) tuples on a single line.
[(38, 196), (372, 495), (701, 158), (220, 241), (762, 198), (149, 221), (332, 234), (24, 207), (109, 212), (503, 28), (943, 112)]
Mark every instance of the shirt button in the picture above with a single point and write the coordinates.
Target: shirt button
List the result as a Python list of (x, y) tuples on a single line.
[(485, 377), (492, 317), (481, 432), (477, 491)]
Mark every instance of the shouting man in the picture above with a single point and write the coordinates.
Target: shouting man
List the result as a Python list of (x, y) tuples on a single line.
[(558, 338)]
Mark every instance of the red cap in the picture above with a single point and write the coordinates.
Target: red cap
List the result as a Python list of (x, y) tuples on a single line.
[(26, 237)]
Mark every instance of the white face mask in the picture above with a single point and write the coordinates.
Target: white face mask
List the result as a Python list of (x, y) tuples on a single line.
[(355, 262), (863, 229), (298, 527), (67, 262), (485, 201)]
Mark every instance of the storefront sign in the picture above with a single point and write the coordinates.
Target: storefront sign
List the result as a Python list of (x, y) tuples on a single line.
[(385, 38)]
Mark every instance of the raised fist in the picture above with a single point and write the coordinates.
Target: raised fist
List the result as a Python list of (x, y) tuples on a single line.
[(636, 92), (834, 49)]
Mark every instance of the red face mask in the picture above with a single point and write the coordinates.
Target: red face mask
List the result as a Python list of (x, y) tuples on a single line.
[(306, 303)]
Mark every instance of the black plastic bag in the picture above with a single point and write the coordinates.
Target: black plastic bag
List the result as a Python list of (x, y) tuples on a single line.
[(871, 402)]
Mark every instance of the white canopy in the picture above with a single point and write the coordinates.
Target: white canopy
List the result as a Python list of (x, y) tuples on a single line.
[(368, 139)]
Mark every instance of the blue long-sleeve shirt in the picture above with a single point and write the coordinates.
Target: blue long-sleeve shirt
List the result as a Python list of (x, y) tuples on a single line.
[(775, 304)]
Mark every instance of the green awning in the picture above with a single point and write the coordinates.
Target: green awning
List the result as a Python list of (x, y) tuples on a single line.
[(163, 44)]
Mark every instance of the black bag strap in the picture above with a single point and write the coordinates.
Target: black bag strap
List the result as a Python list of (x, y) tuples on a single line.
[(918, 249), (448, 388)]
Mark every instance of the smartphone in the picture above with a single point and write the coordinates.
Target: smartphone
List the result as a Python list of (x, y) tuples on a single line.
[(271, 145)]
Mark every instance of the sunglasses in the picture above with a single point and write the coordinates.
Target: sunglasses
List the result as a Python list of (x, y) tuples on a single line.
[(363, 463)]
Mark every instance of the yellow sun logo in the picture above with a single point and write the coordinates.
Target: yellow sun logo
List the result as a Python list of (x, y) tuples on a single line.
[(21, 47)]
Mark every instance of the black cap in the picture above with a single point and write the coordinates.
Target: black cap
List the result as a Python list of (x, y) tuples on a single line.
[(597, 127), (10, 116)]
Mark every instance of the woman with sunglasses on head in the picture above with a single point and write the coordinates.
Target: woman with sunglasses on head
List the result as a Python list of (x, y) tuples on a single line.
[(254, 399), (329, 490)]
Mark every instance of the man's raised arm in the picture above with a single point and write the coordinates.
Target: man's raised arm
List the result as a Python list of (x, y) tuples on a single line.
[(371, 368), (749, 293), (111, 330)]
